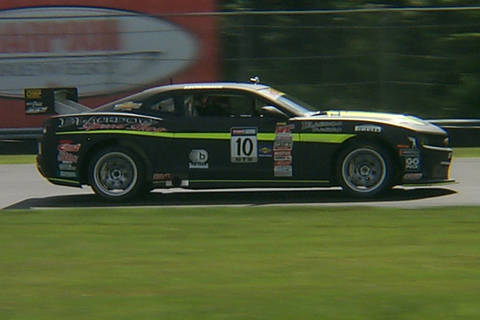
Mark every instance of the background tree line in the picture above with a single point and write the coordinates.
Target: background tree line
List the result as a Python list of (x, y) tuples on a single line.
[(410, 56)]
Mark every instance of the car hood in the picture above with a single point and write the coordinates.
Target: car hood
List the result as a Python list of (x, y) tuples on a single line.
[(399, 120)]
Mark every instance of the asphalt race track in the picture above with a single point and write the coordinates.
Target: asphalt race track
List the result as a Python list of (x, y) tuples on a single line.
[(22, 187)]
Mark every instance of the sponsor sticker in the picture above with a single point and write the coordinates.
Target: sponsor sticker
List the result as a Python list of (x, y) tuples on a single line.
[(368, 128), (68, 147), (64, 156), (273, 93), (322, 126), (283, 171), (410, 152), (282, 150), (243, 145), (68, 174), (413, 176), (284, 130), (413, 141), (67, 166), (127, 106), (283, 163), (282, 156), (283, 146), (162, 176), (35, 107), (198, 159), (103, 119), (412, 163), (111, 123), (265, 151)]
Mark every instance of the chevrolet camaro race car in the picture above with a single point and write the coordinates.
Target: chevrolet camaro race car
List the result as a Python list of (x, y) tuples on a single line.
[(232, 135)]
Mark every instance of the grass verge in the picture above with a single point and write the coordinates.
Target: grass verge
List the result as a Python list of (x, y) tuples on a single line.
[(466, 152), (240, 263), (17, 159)]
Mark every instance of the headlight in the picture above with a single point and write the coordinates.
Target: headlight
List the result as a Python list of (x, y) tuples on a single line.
[(446, 141), (435, 141)]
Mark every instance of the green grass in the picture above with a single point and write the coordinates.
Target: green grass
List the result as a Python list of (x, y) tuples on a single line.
[(466, 152), (17, 159), (240, 263)]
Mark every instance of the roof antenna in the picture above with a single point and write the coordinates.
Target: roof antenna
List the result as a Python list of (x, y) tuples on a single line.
[(171, 81), (255, 80)]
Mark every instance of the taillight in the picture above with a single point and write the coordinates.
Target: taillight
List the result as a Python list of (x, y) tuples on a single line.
[(45, 128)]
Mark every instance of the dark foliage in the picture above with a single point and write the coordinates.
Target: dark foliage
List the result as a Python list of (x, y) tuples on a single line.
[(416, 57)]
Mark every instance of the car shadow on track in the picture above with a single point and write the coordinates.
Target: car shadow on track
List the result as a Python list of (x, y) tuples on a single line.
[(231, 197)]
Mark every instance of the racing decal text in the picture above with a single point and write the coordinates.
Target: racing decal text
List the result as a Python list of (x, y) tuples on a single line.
[(243, 145), (322, 126)]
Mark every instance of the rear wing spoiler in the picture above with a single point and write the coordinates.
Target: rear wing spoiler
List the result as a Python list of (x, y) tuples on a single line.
[(52, 101)]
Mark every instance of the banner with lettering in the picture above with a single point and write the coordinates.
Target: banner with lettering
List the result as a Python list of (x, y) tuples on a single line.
[(106, 49)]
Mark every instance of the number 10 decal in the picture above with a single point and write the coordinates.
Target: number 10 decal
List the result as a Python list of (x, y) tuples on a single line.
[(243, 145)]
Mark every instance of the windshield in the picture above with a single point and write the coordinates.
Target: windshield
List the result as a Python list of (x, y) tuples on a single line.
[(296, 105)]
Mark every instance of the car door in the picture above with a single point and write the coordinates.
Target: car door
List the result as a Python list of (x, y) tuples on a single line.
[(226, 137)]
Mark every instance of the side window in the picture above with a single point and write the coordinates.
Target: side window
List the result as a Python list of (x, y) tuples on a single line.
[(244, 106), (259, 105), (267, 109), (192, 104), (214, 105), (220, 104), (165, 105)]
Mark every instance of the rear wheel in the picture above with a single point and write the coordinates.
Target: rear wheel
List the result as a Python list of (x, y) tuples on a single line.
[(365, 170), (116, 174)]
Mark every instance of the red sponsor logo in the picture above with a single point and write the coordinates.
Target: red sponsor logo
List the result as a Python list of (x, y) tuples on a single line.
[(285, 129), (69, 147), (162, 176), (64, 156), (283, 154), (238, 132), (68, 35), (282, 163)]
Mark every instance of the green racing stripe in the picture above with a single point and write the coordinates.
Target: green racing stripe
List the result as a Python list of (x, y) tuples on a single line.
[(299, 137), (325, 137), (172, 135)]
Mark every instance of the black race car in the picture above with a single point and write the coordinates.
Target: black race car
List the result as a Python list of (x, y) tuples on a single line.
[(233, 135)]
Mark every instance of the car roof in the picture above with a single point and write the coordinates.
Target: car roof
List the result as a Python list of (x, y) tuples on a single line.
[(251, 87), (207, 86)]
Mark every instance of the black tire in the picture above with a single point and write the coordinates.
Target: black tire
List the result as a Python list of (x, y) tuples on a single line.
[(116, 174), (365, 171)]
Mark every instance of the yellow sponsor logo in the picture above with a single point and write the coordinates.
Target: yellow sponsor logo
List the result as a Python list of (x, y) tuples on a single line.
[(33, 93)]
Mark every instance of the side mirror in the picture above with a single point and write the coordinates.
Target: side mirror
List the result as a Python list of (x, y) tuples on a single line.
[(274, 112)]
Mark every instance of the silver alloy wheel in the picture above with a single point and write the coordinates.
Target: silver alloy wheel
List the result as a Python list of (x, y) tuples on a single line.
[(115, 174), (364, 170)]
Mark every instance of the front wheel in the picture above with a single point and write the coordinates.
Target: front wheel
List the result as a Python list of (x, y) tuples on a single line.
[(116, 174), (365, 171)]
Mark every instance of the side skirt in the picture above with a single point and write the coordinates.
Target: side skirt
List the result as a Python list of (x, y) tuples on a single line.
[(220, 184)]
